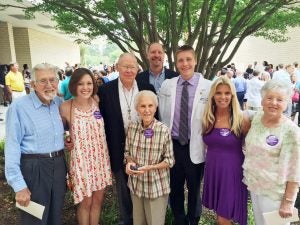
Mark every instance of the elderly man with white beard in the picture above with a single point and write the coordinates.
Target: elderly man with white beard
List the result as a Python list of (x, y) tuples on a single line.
[(35, 166)]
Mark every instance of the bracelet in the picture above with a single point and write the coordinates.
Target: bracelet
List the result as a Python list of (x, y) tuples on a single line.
[(289, 200)]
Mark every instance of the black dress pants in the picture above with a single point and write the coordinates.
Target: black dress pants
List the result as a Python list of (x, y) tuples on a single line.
[(185, 171), (46, 180), (124, 198)]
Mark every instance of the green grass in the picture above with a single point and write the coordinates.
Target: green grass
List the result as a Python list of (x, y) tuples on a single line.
[(110, 212), (2, 143), (250, 214), (109, 215)]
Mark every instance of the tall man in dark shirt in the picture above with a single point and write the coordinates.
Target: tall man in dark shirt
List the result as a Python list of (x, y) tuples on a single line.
[(156, 74)]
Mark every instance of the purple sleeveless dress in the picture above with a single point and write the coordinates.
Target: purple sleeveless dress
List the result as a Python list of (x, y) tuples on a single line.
[(224, 191)]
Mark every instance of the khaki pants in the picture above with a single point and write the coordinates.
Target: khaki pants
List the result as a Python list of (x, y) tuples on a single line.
[(149, 211)]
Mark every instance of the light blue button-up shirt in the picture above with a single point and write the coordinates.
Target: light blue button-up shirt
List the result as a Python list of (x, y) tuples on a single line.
[(240, 84), (156, 80), (31, 127)]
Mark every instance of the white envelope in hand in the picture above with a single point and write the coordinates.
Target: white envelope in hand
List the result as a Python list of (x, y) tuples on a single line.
[(273, 218), (33, 208)]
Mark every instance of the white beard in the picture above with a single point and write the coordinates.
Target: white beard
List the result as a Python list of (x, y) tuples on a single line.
[(49, 96)]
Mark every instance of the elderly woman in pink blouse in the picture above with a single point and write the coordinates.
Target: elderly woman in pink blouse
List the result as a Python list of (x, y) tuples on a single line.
[(149, 156), (272, 156)]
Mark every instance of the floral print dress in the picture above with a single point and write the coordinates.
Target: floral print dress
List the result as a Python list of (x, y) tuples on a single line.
[(89, 160)]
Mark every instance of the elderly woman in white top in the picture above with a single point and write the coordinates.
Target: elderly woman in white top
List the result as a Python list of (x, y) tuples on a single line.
[(272, 157)]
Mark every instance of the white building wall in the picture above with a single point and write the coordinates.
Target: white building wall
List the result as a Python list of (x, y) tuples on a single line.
[(22, 48), (7, 45), (259, 49), (52, 49)]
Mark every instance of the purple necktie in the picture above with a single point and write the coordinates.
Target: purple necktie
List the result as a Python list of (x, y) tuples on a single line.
[(183, 136)]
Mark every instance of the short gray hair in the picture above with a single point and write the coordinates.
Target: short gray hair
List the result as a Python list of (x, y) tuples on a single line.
[(276, 85), (127, 54), (43, 66), (145, 93)]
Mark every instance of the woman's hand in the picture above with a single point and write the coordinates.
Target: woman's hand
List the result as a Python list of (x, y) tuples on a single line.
[(69, 145), (146, 168), (289, 198), (159, 166), (286, 208), (130, 171)]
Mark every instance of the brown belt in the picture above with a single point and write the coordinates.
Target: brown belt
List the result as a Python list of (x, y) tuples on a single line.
[(44, 155)]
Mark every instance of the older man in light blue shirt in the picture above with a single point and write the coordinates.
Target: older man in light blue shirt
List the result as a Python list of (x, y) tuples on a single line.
[(34, 158)]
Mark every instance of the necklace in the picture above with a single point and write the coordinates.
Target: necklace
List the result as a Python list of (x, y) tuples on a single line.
[(128, 104), (83, 107)]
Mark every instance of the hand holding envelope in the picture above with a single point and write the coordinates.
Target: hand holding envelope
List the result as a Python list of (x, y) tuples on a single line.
[(273, 218), (23, 197), (33, 208)]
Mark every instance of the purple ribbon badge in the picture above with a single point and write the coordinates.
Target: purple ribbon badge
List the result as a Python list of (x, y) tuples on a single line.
[(224, 132), (272, 140), (97, 115), (148, 133)]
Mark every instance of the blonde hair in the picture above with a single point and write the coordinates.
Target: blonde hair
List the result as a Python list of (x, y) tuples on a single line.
[(236, 116)]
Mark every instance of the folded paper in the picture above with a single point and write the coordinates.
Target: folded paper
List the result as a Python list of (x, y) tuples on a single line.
[(33, 208), (273, 218)]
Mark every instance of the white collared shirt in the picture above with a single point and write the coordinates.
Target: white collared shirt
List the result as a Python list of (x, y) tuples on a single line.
[(253, 95), (127, 101)]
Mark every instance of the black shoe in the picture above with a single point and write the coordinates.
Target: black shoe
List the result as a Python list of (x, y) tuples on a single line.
[(1, 119), (5, 104)]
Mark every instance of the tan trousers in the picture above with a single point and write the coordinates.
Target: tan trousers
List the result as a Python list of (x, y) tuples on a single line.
[(149, 211)]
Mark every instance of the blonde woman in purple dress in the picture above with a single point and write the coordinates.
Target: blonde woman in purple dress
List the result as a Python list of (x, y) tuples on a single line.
[(224, 128)]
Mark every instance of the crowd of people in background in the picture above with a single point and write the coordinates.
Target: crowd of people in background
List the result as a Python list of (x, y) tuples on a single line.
[(248, 83), (156, 132)]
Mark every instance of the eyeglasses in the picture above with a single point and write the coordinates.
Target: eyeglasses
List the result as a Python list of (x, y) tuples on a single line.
[(44, 82), (131, 68)]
